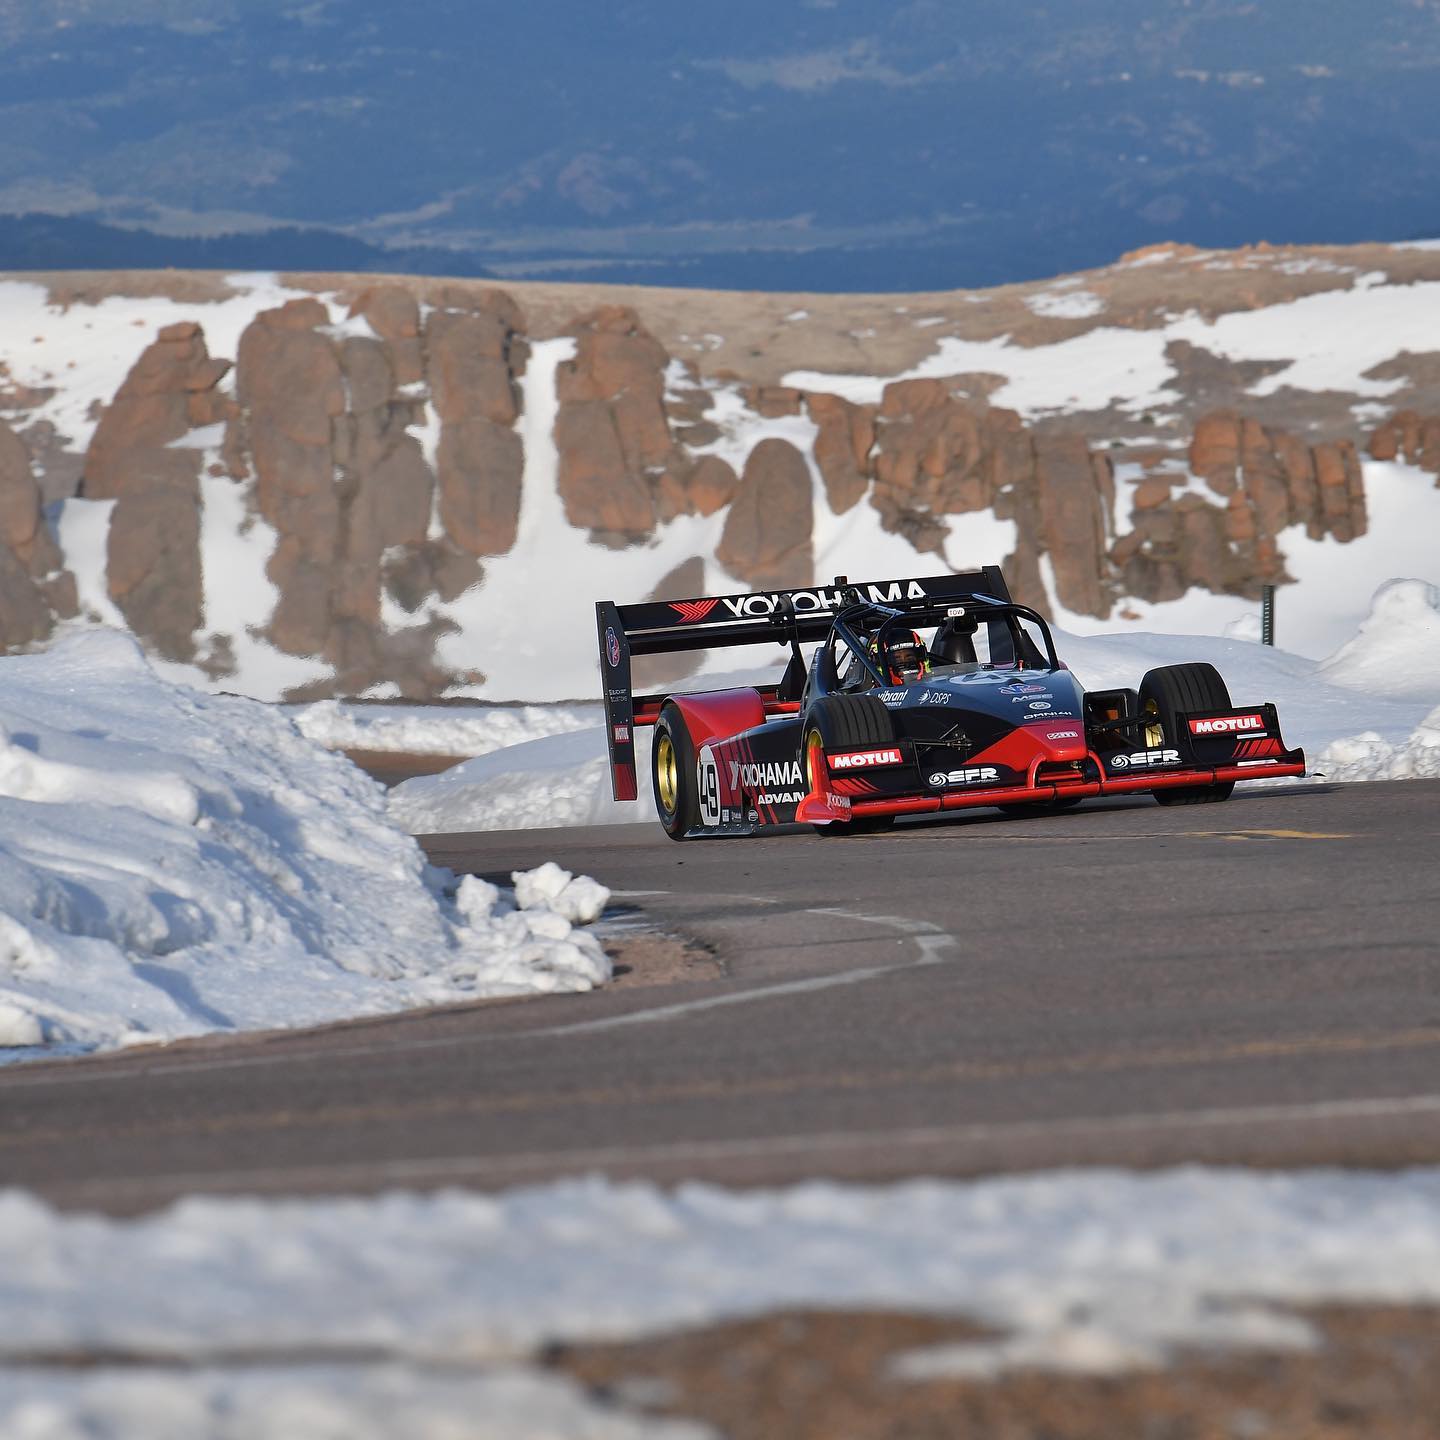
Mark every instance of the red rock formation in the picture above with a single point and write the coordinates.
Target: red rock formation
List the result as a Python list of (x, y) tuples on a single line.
[(768, 532), (475, 355), (1409, 436), (32, 586), (612, 430), (842, 448), (153, 550)]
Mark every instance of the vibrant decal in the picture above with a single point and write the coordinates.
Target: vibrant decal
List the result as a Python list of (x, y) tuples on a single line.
[(691, 611), (1140, 759), (970, 775), (1227, 724), (612, 647), (821, 602), (770, 774), (863, 759)]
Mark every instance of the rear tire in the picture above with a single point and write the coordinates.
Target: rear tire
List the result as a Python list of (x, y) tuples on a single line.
[(1166, 693), (843, 722), (673, 774)]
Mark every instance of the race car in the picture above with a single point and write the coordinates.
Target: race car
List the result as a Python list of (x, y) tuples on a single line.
[(921, 696)]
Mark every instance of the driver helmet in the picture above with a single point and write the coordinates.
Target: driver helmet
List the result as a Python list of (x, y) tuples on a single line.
[(905, 658)]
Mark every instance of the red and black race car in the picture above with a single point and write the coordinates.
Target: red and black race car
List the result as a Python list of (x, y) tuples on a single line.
[(885, 721)]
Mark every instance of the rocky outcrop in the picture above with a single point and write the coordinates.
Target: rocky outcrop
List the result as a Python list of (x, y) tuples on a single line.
[(386, 454), (620, 469), (476, 355), (767, 540), (135, 458), (1263, 481), (845, 436), (33, 586), (1411, 437)]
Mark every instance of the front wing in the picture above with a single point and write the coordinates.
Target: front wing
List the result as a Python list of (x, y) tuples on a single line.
[(1214, 748)]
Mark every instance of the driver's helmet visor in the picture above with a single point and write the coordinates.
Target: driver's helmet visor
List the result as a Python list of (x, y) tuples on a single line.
[(907, 660)]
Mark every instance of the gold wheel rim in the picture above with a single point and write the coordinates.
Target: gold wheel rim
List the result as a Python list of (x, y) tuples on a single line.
[(814, 753), (1154, 735), (667, 774)]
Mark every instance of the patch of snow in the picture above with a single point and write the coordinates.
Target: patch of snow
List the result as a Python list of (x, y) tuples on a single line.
[(1396, 650), (437, 729), (1093, 1270), (558, 780), (82, 529), (978, 538), (1128, 368), (174, 863), (316, 1402), (1065, 304), (1370, 756)]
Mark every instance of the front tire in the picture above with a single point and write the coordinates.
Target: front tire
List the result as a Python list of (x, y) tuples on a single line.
[(846, 721), (673, 774), (1164, 695)]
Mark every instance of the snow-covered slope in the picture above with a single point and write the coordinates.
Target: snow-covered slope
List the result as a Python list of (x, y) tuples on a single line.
[(1108, 359), (172, 863)]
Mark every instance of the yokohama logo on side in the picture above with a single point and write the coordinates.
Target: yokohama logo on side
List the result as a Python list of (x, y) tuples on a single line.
[(865, 759), (1227, 724), (693, 610)]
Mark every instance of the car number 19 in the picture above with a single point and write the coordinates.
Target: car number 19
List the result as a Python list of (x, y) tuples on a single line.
[(709, 788)]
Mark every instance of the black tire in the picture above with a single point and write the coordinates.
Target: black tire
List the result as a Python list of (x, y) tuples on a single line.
[(673, 775), (842, 722), (1167, 692)]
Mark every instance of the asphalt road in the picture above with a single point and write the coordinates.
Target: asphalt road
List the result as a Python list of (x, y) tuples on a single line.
[(1254, 982)]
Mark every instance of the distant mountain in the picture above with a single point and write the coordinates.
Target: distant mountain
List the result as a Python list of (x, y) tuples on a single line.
[(815, 144)]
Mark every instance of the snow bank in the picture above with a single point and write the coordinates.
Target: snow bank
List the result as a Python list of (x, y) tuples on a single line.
[(559, 780), (316, 1402), (1396, 650), (172, 862), (1084, 1270), (1370, 756), (437, 729)]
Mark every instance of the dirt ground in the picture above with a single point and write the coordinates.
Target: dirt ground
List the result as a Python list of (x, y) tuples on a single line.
[(827, 1376)]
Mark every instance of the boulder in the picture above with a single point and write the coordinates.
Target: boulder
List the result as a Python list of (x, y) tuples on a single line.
[(767, 540), (846, 435), (153, 549), (612, 431), (710, 485), (481, 467), (599, 490), (153, 567), (1215, 449), (1072, 523), (470, 367), (25, 616)]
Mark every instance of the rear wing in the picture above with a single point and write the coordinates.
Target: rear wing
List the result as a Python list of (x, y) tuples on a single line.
[(777, 617)]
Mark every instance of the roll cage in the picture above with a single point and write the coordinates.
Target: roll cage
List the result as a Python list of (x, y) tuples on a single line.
[(863, 628)]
